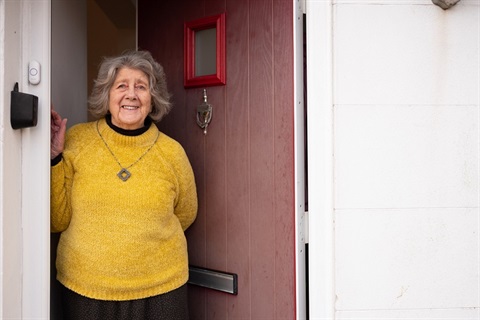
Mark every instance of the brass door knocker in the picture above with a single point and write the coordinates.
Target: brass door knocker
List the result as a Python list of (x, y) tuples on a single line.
[(204, 113)]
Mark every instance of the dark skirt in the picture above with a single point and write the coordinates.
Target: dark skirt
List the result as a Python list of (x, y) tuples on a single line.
[(170, 305)]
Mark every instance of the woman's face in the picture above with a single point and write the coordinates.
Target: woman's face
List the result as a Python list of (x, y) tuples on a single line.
[(130, 101)]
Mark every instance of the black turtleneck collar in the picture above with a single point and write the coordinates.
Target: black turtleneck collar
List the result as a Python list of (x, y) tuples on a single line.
[(125, 132)]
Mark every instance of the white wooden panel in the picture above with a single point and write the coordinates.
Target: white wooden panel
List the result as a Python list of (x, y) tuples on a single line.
[(406, 54), (431, 314), (407, 259), (36, 166), (406, 156), (320, 159), (10, 165)]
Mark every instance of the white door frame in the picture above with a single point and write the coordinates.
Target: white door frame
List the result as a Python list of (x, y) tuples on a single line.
[(36, 35), (320, 158), (35, 178), (25, 191), (10, 166)]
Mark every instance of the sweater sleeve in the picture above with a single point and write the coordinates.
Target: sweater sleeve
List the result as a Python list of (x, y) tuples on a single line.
[(61, 186), (60, 210), (186, 205)]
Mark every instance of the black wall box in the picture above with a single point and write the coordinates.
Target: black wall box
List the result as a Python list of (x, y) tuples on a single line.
[(23, 109)]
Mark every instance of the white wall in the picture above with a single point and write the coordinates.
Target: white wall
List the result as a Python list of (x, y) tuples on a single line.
[(405, 136), (406, 142)]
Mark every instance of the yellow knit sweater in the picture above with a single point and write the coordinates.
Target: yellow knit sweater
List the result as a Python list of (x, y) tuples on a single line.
[(122, 240)]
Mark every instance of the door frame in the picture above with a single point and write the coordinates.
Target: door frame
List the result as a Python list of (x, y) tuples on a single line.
[(320, 159), (35, 18), (10, 166), (36, 43), (25, 197)]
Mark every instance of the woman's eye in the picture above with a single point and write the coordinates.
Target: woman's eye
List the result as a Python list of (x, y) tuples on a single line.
[(141, 87)]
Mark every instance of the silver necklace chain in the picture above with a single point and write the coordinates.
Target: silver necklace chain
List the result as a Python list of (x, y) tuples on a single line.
[(124, 174)]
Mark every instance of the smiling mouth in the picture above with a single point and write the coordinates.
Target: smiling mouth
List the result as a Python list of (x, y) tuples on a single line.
[(130, 107)]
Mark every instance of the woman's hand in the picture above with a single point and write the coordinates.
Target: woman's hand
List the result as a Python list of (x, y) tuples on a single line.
[(58, 127)]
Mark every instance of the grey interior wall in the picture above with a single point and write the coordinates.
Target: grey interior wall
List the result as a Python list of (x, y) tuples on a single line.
[(69, 59)]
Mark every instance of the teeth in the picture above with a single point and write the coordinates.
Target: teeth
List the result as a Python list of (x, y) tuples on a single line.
[(130, 107)]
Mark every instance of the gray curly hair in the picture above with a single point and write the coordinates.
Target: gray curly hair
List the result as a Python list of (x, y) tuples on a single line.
[(139, 60)]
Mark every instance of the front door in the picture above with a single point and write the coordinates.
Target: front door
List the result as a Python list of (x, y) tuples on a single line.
[(245, 163)]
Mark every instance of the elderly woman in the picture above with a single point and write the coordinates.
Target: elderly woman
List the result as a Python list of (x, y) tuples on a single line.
[(122, 194)]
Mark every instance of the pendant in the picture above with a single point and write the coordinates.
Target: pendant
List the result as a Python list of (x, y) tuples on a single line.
[(124, 174)]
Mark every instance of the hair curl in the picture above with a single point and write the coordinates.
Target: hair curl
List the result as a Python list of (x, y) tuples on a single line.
[(139, 60)]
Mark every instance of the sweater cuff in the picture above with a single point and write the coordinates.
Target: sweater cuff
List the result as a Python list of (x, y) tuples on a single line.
[(56, 160)]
